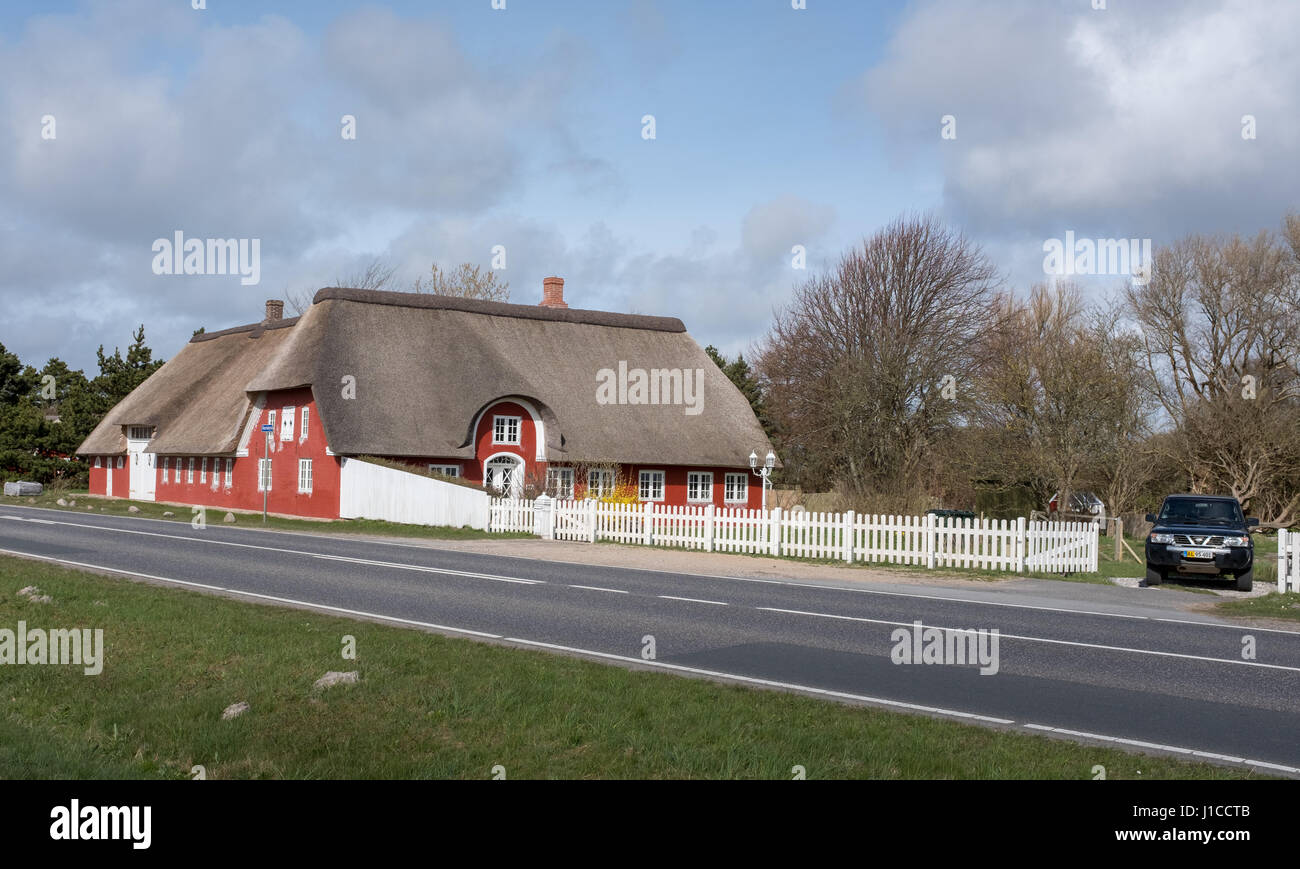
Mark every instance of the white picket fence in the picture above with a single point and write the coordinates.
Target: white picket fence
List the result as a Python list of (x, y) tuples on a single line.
[(928, 541), (1288, 560)]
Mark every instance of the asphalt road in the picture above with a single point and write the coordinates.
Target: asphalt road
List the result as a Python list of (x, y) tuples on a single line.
[(1086, 662)]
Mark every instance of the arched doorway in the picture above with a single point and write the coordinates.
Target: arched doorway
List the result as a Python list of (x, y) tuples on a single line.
[(504, 473)]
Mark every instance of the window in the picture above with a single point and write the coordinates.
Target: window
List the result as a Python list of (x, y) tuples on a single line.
[(446, 470), (737, 491), (270, 419), (600, 483), (500, 474), (189, 472), (699, 486), (203, 470), (164, 470), (652, 486), (140, 432), (263, 475), (559, 482), (119, 463), (97, 464), (286, 424), (230, 472), (306, 415), (505, 429), (304, 476)]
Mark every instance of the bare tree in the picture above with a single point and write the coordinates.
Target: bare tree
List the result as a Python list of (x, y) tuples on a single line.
[(467, 281), (870, 364), (1221, 337)]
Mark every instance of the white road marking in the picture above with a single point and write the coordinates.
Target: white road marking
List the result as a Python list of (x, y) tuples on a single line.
[(1075, 643), (1119, 740), (423, 569), (598, 588), (288, 600), (694, 600), (823, 692), (783, 582)]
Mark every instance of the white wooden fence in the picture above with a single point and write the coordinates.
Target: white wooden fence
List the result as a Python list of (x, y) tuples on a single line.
[(928, 541), (1288, 560), (369, 491)]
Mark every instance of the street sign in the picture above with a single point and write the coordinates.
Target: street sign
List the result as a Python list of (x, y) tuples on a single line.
[(267, 427)]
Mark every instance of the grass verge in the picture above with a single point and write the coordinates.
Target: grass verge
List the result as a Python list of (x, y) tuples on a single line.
[(1269, 606), (429, 706)]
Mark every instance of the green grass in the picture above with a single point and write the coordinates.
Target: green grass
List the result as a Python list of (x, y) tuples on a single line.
[(1269, 606), (214, 516), (432, 706)]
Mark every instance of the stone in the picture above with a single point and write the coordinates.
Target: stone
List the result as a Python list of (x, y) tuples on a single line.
[(230, 517), (334, 677), (167, 514), (133, 509), (72, 502), (234, 710), (33, 594), (61, 502)]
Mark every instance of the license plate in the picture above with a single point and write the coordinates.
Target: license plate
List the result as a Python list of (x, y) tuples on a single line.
[(1197, 553)]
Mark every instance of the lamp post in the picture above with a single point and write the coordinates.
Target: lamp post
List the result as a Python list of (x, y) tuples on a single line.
[(765, 472)]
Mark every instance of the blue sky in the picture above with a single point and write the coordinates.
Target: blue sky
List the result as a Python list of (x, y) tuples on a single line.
[(522, 127)]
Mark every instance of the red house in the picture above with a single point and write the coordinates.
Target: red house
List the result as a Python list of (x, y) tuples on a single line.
[(519, 398)]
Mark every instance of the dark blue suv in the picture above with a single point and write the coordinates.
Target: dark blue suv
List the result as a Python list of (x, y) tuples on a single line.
[(1201, 535)]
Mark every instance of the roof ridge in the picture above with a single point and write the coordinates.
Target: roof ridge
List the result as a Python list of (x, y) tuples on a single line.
[(251, 327), (501, 309)]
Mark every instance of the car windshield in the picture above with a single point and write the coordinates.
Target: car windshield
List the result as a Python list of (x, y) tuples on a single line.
[(1194, 512)]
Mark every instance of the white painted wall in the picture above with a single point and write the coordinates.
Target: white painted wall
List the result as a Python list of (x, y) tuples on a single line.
[(369, 491)]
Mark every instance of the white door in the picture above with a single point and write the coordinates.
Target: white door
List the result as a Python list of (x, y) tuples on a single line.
[(108, 479), (140, 465), (506, 475)]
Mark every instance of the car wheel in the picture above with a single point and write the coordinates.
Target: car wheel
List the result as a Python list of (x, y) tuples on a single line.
[(1155, 576), (1245, 580)]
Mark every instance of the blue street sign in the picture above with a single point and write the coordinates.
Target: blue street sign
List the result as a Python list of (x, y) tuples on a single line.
[(268, 427)]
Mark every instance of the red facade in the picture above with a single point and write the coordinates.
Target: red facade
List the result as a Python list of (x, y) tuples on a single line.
[(505, 436)]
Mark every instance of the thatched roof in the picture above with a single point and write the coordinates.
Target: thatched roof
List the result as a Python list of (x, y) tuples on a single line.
[(425, 366), (198, 400)]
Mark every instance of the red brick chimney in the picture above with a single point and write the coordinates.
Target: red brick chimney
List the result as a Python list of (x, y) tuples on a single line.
[(553, 293), (274, 310)]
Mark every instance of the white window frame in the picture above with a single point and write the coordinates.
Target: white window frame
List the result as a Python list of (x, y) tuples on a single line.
[(270, 419), (502, 423), (203, 470), (651, 475), (304, 476), (189, 471), (699, 479), (559, 483), (742, 483), (264, 475), (603, 482), (446, 470), (287, 419), (230, 473), (98, 464), (306, 417), (165, 462), (120, 463)]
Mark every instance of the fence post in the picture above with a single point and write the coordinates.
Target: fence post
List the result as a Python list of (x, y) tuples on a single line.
[(1282, 561), (1119, 539), (1022, 544), (774, 531), (848, 536), (929, 540), (543, 517), (591, 520), (708, 528), (645, 522)]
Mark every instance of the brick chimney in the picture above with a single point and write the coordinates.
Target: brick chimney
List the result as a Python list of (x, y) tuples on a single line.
[(553, 293), (274, 310)]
